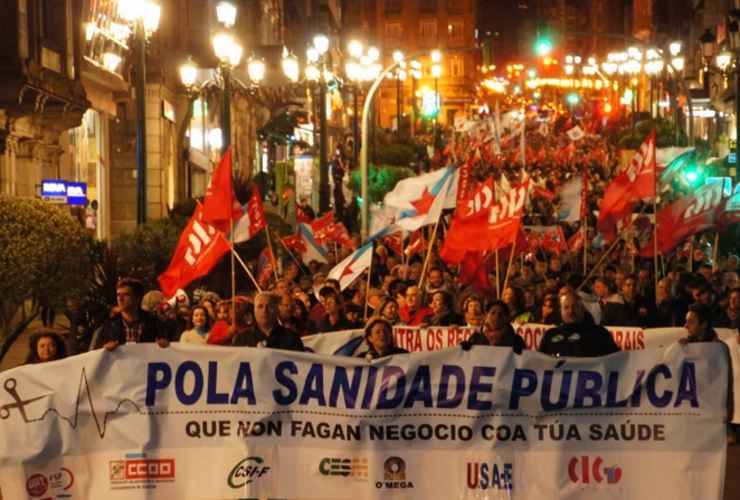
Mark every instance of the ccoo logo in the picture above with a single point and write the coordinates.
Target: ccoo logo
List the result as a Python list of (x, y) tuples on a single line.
[(583, 470)]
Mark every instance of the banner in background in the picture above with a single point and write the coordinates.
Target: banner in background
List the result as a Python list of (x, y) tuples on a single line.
[(195, 422)]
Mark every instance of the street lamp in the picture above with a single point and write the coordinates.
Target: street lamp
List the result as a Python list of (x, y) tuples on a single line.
[(727, 63), (317, 72), (436, 73), (359, 68), (398, 59), (415, 76), (229, 54), (144, 18)]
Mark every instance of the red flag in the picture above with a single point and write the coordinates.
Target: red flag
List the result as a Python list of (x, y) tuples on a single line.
[(265, 267), (395, 242), (495, 227), (686, 216), (576, 241), (338, 234), (294, 242), (522, 246), (474, 273), (253, 220), (481, 198), (323, 226), (728, 212), (199, 249), (220, 205), (301, 217), (584, 193), (637, 182), (463, 182), (417, 243), (542, 192), (554, 240)]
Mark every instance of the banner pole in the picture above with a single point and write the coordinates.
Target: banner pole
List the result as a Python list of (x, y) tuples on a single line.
[(511, 261), (367, 287), (251, 276), (429, 253), (233, 271), (269, 245), (498, 278), (300, 266), (606, 254), (655, 244)]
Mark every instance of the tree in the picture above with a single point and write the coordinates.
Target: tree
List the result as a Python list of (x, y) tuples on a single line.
[(45, 259), (381, 180)]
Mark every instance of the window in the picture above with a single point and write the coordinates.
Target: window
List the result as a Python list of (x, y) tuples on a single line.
[(455, 29), (393, 30), (428, 31), (457, 67)]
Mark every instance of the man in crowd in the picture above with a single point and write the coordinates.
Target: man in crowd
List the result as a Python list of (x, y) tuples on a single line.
[(131, 324), (578, 336), (268, 332), (630, 308), (413, 312)]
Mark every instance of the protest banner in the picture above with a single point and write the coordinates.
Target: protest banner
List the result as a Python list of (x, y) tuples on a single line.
[(194, 422)]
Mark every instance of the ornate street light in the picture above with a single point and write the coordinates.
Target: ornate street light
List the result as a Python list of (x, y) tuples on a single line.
[(144, 18), (316, 72)]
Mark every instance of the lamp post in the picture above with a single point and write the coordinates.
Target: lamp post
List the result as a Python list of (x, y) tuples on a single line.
[(415, 76), (398, 59), (229, 54), (316, 55), (436, 73), (360, 68), (144, 18), (727, 63)]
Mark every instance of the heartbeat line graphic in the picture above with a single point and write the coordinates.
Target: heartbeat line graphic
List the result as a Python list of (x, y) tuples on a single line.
[(20, 405)]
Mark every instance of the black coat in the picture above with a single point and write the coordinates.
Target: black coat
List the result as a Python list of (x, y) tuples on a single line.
[(510, 339), (112, 330), (280, 338), (584, 339)]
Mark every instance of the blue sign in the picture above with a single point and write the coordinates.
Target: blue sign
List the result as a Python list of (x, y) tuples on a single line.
[(76, 193), (54, 190), (733, 158)]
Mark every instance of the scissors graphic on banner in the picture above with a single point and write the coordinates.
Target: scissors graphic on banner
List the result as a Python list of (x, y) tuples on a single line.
[(19, 404)]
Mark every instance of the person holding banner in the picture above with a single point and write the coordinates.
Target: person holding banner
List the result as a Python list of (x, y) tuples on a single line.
[(578, 336), (131, 325), (699, 324), (199, 326), (379, 339), (497, 330), (267, 331)]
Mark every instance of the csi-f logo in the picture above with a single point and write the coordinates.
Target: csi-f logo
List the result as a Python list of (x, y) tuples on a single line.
[(587, 470), (489, 476), (246, 471), (346, 467)]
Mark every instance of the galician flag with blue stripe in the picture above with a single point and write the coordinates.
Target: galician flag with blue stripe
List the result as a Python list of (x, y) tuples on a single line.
[(353, 266)]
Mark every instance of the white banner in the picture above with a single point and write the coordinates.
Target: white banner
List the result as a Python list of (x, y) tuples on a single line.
[(198, 422), (414, 339)]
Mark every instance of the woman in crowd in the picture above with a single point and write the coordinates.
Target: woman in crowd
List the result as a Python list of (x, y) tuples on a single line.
[(45, 346), (513, 296), (388, 309), (199, 325), (379, 339), (334, 318), (497, 329), (729, 317), (443, 314), (472, 308)]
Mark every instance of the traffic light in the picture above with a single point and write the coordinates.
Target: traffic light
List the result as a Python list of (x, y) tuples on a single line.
[(691, 175), (543, 46)]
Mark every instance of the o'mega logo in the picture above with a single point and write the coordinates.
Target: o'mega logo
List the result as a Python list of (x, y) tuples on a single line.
[(394, 475)]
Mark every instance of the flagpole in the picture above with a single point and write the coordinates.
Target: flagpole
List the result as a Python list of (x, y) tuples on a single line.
[(606, 254), (300, 266), (244, 265), (511, 261), (429, 253), (498, 278), (655, 243), (714, 253), (585, 247), (691, 253), (367, 287), (269, 245), (233, 271)]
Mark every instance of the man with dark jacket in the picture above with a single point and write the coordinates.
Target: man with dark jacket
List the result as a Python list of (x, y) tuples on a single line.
[(578, 336), (630, 308), (131, 325), (267, 331)]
